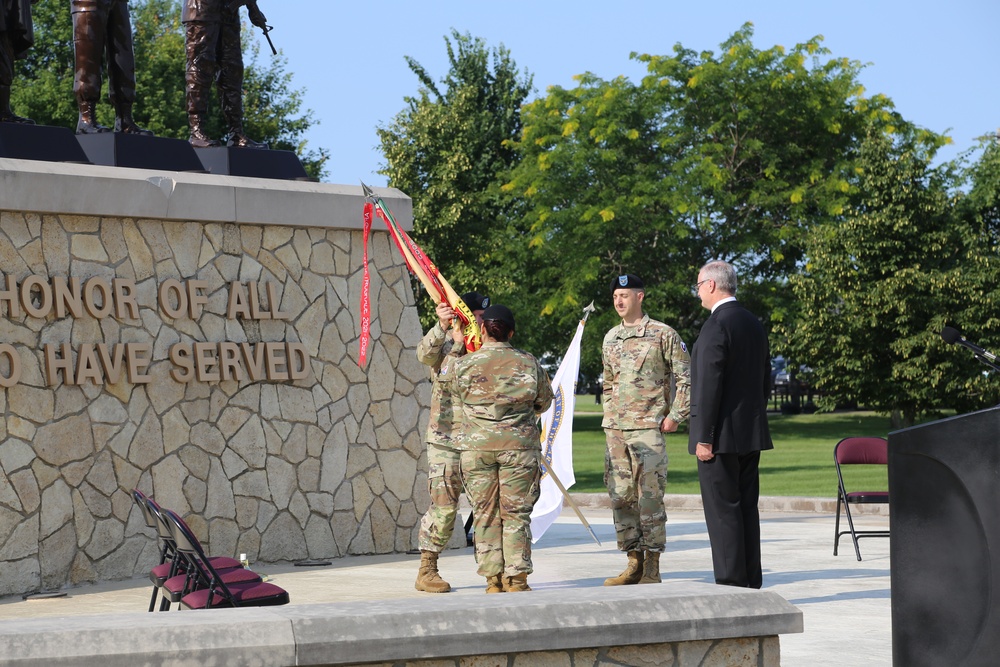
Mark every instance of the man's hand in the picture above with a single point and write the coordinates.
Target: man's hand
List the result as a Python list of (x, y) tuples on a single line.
[(668, 425), (256, 16), (445, 314), (704, 452)]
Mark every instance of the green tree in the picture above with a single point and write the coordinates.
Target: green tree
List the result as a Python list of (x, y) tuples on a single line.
[(879, 285), (447, 149), (44, 87), (733, 156)]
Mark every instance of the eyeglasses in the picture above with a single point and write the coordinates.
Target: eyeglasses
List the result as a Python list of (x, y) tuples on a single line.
[(697, 285)]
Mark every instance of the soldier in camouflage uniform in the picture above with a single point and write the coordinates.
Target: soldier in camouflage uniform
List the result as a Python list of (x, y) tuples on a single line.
[(438, 349), (501, 393), (642, 359), (16, 37), (99, 27)]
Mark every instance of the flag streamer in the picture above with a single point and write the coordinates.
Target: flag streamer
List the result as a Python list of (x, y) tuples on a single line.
[(420, 266)]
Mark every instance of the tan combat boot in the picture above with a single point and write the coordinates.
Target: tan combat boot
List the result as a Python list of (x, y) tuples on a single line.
[(516, 584), (632, 573), (428, 579), (494, 584), (651, 568)]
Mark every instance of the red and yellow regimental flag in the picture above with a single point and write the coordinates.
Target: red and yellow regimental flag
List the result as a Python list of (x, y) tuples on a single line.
[(419, 265)]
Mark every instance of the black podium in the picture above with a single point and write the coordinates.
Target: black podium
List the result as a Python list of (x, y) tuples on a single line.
[(115, 149), (944, 514), (256, 163), (40, 142)]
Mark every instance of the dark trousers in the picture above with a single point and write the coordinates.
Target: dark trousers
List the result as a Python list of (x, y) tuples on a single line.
[(6, 60), (214, 53), (730, 488), (104, 30)]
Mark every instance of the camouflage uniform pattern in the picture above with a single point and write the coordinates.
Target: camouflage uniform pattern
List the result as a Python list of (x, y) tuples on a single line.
[(635, 472), (502, 392), (437, 349), (641, 364), (99, 27), (503, 487)]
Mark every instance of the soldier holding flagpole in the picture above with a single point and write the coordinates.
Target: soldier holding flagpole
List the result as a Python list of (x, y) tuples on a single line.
[(439, 348), (501, 392)]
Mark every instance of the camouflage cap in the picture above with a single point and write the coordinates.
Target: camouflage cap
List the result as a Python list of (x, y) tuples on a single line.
[(476, 301), (629, 281)]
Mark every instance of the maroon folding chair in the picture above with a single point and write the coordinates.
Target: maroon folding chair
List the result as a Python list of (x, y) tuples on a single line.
[(178, 565), (162, 570), (218, 593), (858, 451)]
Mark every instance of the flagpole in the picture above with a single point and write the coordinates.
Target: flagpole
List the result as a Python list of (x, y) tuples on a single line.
[(572, 503), (549, 469)]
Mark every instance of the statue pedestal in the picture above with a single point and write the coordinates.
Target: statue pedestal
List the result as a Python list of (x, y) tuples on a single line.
[(252, 162), (115, 149), (40, 142)]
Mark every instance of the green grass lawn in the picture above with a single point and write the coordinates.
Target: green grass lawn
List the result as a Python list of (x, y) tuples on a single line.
[(801, 463)]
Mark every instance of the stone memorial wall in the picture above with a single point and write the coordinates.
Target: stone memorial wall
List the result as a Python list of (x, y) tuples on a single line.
[(196, 337)]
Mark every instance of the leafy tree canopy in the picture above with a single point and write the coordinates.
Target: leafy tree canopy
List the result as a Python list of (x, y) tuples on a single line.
[(734, 156), (880, 284), (447, 149)]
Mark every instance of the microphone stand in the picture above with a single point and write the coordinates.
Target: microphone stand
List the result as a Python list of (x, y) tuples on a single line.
[(986, 361)]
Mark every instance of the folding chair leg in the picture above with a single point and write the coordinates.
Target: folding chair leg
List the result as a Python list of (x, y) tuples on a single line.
[(836, 526), (854, 535), (152, 599)]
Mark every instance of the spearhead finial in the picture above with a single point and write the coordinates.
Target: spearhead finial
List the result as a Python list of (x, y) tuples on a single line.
[(588, 310), (367, 190)]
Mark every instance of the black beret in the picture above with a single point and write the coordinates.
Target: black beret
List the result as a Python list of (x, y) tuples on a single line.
[(476, 301), (630, 281), (501, 313)]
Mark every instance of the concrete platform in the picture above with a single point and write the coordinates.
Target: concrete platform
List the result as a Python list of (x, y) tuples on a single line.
[(846, 604)]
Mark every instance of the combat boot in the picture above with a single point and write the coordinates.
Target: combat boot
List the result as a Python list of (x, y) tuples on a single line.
[(198, 137), (632, 573), (428, 579), (87, 122), (516, 584), (494, 584), (239, 139), (125, 124), (6, 115), (651, 568)]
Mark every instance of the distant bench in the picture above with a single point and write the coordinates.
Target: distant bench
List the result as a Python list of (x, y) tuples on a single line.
[(696, 624)]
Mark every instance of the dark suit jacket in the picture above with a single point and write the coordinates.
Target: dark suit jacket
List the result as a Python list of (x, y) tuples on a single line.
[(730, 383)]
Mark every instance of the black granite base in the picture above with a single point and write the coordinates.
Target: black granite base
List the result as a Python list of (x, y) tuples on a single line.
[(252, 162), (40, 142), (115, 149)]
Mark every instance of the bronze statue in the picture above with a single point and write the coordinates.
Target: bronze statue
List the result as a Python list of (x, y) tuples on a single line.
[(212, 39), (16, 37), (99, 27)]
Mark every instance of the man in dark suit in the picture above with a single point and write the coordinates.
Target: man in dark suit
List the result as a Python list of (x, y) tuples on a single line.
[(730, 384)]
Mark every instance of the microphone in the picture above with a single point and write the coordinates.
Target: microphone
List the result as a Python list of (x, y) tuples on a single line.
[(952, 335)]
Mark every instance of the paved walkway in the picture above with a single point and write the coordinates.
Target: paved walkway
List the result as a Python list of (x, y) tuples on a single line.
[(845, 603)]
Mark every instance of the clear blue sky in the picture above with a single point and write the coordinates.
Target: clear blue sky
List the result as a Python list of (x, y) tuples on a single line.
[(937, 60)]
